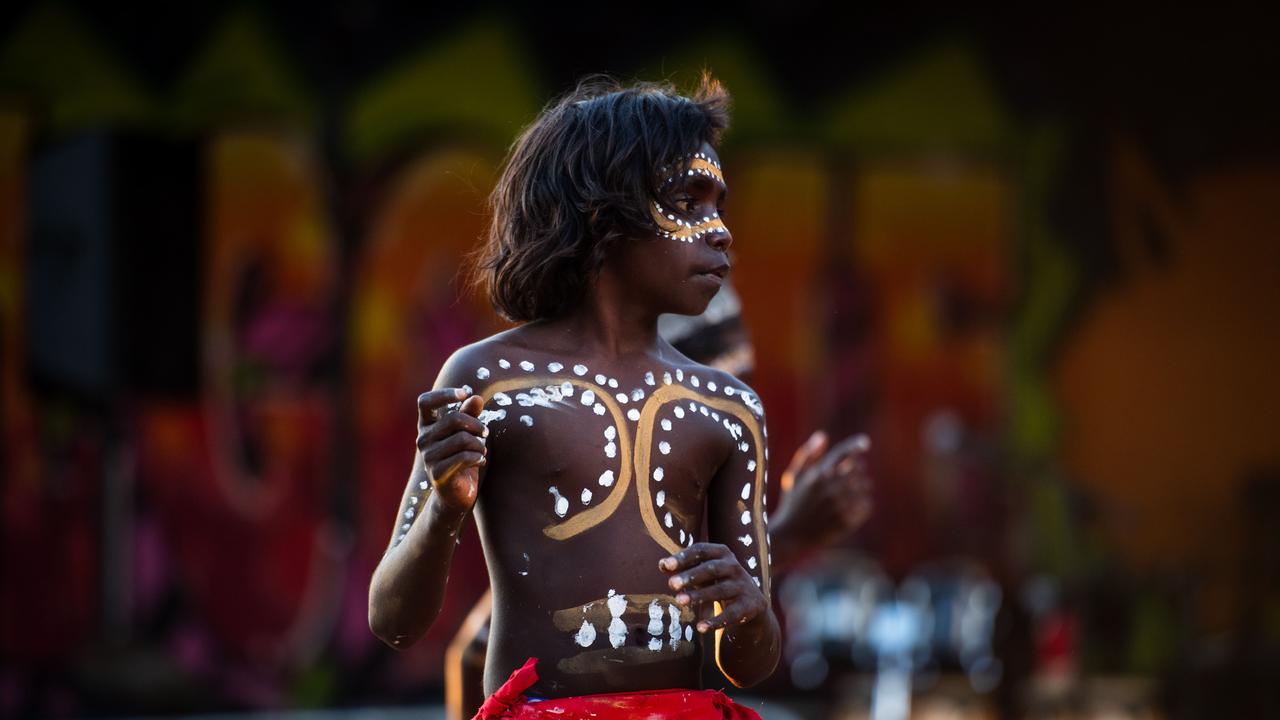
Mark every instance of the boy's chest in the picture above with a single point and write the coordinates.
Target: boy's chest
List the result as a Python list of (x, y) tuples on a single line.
[(578, 453)]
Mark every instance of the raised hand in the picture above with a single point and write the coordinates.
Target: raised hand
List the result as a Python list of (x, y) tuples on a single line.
[(707, 572), (826, 494), (451, 445)]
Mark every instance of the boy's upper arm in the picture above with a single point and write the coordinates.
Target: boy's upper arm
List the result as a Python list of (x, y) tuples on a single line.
[(736, 515)]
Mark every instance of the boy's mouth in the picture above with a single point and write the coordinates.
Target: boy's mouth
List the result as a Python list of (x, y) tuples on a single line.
[(719, 272)]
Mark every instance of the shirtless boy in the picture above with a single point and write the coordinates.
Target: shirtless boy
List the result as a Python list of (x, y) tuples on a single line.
[(617, 486)]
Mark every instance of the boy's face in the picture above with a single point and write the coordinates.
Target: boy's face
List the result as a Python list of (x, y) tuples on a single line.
[(681, 268)]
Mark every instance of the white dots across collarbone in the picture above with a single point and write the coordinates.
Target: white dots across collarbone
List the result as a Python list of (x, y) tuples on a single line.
[(579, 370), (600, 379), (502, 363), (554, 367), (613, 383), (711, 385), (693, 380), (587, 398)]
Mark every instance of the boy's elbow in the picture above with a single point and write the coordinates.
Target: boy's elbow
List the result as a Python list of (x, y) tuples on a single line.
[(388, 630)]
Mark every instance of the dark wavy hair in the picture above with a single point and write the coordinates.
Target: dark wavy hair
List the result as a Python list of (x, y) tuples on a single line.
[(581, 177)]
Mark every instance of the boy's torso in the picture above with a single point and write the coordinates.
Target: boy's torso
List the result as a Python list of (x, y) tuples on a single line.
[(596, 471)]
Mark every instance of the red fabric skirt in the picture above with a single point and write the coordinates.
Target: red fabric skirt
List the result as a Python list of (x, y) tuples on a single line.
[(509, 701)]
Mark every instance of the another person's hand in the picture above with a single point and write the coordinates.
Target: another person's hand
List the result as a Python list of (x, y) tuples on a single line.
[(707, 572), (826, 494), (451, 446)]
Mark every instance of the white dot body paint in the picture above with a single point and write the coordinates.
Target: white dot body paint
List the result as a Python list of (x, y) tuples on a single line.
[(413, 499), (502, 399), (408, 514), (633, 414), (693, 407), (751, 562), (679, 411), (611, 433), (679, 375), (405, 526), (598, 409), (745, 540), (746, 491), (526, 420), (666, 378), (664, 447), (711, 385), (599, 379), (554, 367), (751, 465), (526, 366), (579, 370), (666, 424), (613, 383), (586, 496), (693, 380), (621, 398), (637, 395), (562, 503), (502, 363), (688, 633), (611, 450), (423, 485), (746, 517), (673, 630), (566, 389), (657, 474), (681, 536), (648, 378), (715, 416), (587, 397), (703, 410), (667, 520), (655, 618), (482, 373), (606, 478), (466, 389), (586, 634), (617, 629), (756, 579), (661, 498)]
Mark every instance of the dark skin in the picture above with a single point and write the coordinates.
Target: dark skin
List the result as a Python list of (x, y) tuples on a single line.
[(548, 570)]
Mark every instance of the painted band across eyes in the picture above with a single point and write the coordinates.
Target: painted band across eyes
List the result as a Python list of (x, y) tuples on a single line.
[(672, 225)]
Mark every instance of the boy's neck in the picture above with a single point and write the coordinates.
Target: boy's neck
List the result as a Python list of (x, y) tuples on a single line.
[(610, 330)]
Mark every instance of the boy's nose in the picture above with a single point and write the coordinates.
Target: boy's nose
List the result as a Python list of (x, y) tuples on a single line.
[(720, 240)]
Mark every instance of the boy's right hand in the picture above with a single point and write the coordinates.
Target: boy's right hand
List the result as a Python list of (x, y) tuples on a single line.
[(451, 443)]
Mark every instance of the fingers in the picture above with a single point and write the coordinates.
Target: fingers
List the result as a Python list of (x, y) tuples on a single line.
[(428, 402), (461, 441), (445, 469), (472, 405), (705, 573), (805, 457), (847, 457), (734, 613), (695, 554), (448, 424)]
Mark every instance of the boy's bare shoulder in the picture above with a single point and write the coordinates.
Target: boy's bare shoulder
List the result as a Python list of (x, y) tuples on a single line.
[(474, 366), (714, 380)]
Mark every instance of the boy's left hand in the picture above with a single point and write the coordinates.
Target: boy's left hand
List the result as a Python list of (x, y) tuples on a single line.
[(706, 572)]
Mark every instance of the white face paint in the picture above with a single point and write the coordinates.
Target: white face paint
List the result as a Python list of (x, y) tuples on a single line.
[(502, 363), (666, 424), (606, 478), (664, 447), (711, 385), (526, 366), (661, 498), (482, 373), (466, 389), (728, 390), (423, 485), (637, 395), (682, 536), (617, 629), (703, 410), (579, 370), (715, 416), (554, 367), (562, 503), (566, 389), (408, 514), (679, 375), (693, 380), (633, 415)]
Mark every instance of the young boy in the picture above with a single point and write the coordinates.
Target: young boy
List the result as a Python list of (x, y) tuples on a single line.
[(597, 458)]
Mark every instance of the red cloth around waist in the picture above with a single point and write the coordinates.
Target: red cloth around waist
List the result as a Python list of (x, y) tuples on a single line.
[(509, 701)]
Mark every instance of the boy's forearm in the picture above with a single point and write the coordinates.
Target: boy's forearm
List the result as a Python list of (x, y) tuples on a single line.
[(748, 653), (408, 586)]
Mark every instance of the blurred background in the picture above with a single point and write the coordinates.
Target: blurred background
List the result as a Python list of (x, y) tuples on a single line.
[(1035, 256)]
